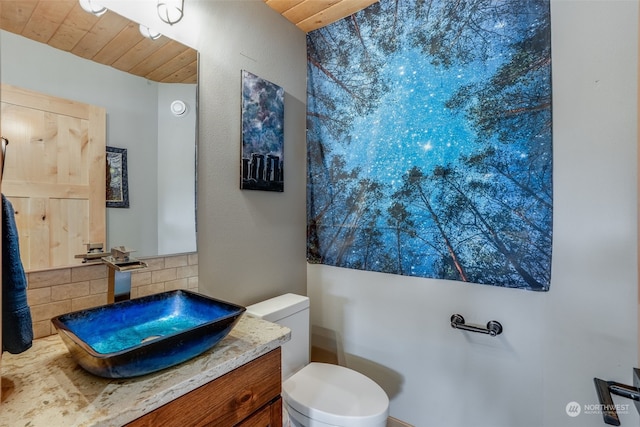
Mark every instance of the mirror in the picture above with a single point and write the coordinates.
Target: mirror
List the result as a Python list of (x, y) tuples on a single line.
[(161, 146)]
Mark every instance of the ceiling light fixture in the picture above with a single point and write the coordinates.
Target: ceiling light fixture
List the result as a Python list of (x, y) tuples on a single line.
[(93, 7), (149, 33), (170, 11)]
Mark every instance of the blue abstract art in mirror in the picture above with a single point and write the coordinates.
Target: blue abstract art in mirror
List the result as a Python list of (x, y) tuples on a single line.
[(429, 141)]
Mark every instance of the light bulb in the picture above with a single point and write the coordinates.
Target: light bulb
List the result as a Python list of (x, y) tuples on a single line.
[(170, 11), (149, 33), (93, 7)]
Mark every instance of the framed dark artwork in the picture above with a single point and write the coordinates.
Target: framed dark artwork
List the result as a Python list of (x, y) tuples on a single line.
[(429, 143), (262, 164), (117, 179)]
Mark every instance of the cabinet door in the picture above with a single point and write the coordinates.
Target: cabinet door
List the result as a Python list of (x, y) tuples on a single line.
[(226, 401), (269, 416), (54, 175)]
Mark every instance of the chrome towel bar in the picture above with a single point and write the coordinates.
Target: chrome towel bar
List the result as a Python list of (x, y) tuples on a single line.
[(494, 328)]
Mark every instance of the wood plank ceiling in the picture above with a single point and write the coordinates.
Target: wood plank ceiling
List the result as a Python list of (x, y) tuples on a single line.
[(116, 41), (309, 15), (109, 39)]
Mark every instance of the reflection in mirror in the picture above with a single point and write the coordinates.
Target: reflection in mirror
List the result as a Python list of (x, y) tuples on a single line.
[(161, 151)]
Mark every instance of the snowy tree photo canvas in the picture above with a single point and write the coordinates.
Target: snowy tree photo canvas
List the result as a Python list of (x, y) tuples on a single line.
[(429, 141)]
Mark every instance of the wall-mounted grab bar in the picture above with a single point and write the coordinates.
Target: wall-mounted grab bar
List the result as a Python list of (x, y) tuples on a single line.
[(493, 328)]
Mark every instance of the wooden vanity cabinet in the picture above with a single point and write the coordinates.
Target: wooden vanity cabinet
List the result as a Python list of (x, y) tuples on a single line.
[(248, 396)]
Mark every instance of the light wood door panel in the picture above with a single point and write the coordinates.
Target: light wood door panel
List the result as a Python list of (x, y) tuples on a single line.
[(54, 175)]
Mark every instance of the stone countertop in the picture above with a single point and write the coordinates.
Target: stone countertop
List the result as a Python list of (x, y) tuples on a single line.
[(45, 387)]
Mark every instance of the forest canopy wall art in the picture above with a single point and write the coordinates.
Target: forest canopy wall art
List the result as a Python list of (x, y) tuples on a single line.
[(429, 141)]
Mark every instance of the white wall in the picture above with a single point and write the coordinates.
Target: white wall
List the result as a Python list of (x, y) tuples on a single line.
[(396, 329), (176, 170), (591, 312), (138, 119)]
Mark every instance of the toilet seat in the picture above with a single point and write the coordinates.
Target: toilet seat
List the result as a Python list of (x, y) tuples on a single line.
[(336, 396)]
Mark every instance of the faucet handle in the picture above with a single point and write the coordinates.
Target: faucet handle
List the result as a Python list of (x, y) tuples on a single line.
[(121, 253)]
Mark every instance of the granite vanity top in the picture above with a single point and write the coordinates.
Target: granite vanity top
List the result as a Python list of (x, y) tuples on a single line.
[(44, 387)]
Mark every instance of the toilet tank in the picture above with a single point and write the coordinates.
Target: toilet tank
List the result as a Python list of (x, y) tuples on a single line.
[(292, 311)]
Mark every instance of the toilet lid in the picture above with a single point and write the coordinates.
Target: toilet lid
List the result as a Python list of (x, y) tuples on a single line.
[(336, 395)]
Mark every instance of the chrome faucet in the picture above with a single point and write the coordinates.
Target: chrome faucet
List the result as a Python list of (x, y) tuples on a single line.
[(120, 264)]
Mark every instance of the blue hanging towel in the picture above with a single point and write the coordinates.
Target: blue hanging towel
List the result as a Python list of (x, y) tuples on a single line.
[(17, 329)]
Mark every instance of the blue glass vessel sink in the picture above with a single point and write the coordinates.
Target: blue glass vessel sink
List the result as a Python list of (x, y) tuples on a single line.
[(144, 335)]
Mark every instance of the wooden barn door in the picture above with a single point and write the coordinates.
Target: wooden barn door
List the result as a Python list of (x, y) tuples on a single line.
[(54, 175)]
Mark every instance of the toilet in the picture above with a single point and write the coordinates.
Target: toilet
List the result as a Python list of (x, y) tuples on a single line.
[(319, 394)]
